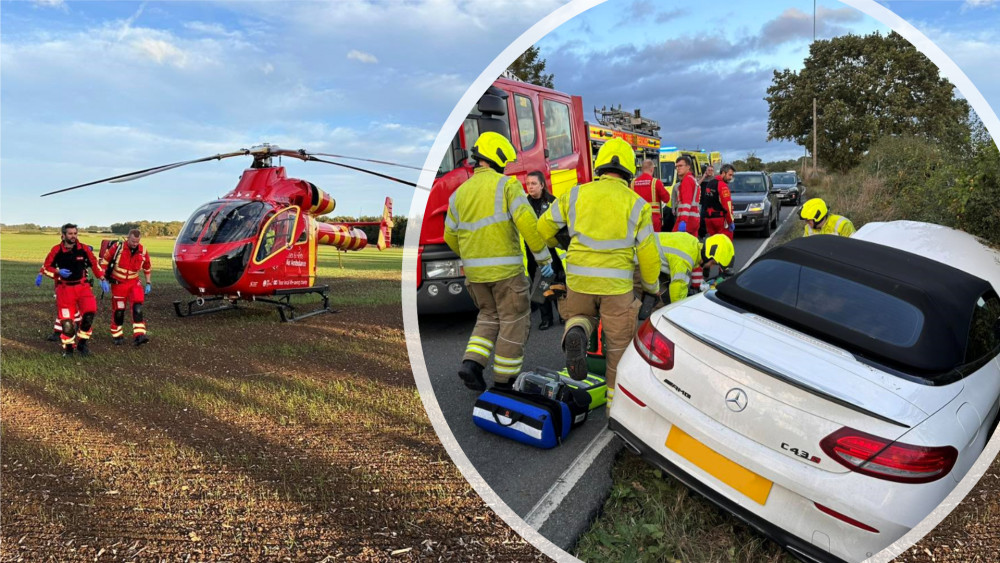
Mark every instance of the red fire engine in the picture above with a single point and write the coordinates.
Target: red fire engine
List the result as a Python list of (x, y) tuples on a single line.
[(549, 133)]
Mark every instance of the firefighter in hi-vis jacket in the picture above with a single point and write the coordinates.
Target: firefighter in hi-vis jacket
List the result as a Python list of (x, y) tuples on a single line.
[(124, 260), (67, 263)]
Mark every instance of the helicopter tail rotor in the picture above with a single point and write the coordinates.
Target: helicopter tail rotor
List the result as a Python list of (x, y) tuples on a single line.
[(385, 227)]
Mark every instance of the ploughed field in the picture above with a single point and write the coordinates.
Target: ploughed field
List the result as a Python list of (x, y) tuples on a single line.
[(228, 436)]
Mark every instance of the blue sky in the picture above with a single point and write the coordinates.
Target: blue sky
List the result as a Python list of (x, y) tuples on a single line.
[(93, 89), (703, 73)]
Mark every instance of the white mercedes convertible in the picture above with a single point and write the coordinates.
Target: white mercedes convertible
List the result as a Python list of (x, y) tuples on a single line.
[(832, 393)]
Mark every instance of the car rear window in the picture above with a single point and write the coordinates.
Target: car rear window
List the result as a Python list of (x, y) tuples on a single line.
[(984, 335), (848, 304)]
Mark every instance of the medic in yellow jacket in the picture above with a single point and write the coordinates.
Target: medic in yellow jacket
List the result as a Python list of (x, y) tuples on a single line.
[(608, 225), (819, 220), (681, 255), (485, 216)]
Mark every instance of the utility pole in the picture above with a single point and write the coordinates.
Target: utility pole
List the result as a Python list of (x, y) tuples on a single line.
[(814, 96)]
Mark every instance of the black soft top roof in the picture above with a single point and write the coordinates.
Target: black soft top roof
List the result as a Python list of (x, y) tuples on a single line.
[(945, 296)]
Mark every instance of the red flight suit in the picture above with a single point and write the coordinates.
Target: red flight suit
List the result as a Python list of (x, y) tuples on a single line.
[(73, 296), (688, 208), (649, 188), (125, 285), (718, 207)]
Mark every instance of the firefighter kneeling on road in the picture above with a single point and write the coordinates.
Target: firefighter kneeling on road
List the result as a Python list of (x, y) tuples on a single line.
[(123, 261), (67, 263), (684, 259), (819, 220), (608, 225), (485, 215)]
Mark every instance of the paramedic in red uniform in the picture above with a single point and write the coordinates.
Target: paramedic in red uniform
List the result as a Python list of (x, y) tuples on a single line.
[(67, 263), (717, 204), (687, 198), (651, 189), (128, 259)]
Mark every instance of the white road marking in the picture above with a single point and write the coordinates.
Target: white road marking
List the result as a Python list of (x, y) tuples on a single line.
[(551, 500)]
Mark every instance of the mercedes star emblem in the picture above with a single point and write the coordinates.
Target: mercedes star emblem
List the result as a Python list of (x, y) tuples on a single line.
[(736, 399)]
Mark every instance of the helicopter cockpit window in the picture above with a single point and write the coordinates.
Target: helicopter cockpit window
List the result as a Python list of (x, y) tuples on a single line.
[(196, 224), (236, 221), (277, 234)]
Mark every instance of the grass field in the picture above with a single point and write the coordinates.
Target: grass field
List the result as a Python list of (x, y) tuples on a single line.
[(228, 436)]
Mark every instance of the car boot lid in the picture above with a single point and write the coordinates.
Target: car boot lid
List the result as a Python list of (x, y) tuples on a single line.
[(807, 363)]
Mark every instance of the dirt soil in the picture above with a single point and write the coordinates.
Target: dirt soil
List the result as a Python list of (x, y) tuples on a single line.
[(230, 437), (971, 532)]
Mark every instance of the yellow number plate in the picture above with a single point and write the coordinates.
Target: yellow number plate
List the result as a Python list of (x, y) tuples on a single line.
[(729, 472)]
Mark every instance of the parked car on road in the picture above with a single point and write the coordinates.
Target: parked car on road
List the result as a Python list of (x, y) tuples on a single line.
[(832, 393), (755, 203), (789, 187)]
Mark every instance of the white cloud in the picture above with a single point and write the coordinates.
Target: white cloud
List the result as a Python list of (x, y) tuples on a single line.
[(211, 29), (161, 51), (367, 58), (978, 3), (51, 3)]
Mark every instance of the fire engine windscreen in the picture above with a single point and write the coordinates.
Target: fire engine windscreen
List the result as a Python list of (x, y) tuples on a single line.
[(223, 221)]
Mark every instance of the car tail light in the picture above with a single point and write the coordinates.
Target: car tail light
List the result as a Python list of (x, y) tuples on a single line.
[(886, 459), (629, 394), (654, 347), (845, 518)]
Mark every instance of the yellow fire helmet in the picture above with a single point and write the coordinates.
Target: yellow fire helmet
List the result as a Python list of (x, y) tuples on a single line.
[(719, 248), (495, 149), (616, 155), (814, 209)]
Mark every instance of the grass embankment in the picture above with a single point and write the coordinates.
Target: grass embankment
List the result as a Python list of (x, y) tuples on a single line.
[(652, 517), (228, 436)]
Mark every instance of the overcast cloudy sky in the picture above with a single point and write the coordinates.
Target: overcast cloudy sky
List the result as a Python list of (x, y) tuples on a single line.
[(703, 73), (93, 89)]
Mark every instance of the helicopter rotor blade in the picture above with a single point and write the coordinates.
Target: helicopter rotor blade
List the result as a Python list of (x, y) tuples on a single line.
[(146, 172), (164, 168), (371, 160), (373, 173)]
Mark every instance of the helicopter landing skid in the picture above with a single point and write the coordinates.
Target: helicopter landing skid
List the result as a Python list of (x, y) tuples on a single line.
[(191, 311), (287, 311)]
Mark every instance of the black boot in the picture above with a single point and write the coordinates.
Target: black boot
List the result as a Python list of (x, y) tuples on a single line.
[(119, 340), (575, 345), (54, 337), (83, 347), (67, 351), (472, 374), (141, 339)]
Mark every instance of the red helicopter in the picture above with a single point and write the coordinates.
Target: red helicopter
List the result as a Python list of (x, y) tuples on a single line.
[(258, 242)]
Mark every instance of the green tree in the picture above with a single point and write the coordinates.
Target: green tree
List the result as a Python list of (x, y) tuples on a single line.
[(530, 68), (865, 88)]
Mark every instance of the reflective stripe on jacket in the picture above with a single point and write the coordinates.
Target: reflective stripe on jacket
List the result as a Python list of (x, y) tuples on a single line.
[(485, 215), (609, 224), (834, 225), (680, 254)]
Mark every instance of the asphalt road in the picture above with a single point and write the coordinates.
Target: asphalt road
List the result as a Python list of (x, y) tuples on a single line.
[(556, 491)]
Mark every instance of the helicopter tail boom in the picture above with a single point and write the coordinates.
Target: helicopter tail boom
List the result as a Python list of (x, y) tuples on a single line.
[(341, 236)]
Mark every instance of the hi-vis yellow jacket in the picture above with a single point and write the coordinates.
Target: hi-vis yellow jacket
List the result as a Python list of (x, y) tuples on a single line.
[(834, 225), (485, 215), (609, 225), (680, 254)]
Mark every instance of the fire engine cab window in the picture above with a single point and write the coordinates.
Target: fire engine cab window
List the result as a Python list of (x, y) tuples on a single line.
[(278, 234), (667, 173), (525, 121), (557, 131)]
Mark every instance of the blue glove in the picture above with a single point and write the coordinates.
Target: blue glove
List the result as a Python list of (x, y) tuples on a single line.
[(38, 280), (547, 270), (149, 288), (105, 286), (732, 227), (682, 226), (65, 273)]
